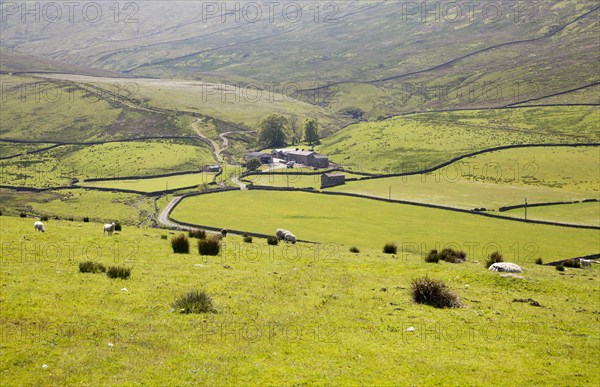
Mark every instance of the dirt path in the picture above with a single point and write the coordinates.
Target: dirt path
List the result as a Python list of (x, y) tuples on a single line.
[(226, 140), (216, 148)]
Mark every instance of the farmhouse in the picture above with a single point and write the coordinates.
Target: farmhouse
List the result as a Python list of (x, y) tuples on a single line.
[(264, 158), (308, 158), (332, 179)]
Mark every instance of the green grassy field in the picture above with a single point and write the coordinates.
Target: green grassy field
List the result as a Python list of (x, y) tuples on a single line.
[(157, 184), (279, 178), (497, 179), (240, 105), (369, 223), (135, 158), (418, 141), (323, 314), (579, 213), (61, 110), (78, 203)]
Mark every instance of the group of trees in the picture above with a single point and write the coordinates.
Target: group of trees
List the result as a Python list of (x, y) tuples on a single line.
[(273, 130)]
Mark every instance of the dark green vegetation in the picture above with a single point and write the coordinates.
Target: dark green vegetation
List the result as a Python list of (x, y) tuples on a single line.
[(180, 244), (493, 258), (434, 292), (210, 246), (91, 267), (194, 302), (120, 272)]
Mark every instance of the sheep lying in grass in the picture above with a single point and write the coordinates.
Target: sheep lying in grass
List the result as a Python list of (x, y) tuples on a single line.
[(109, 228), (39, 226), (505, 267)]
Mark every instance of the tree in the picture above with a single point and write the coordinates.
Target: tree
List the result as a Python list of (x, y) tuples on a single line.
[(272, 130), (253, 164), (296, 130), (311, 131)]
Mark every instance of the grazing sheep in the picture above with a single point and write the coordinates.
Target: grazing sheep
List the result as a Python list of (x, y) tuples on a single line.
[(39, 226), (280, 233), (506, 267), (289, 237), (109, 228), (224, 232)]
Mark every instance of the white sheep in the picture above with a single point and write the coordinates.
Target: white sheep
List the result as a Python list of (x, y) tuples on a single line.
[(289, 237), (586, 263), (39, 226), (280, 233), (109, 228), (506, 267)]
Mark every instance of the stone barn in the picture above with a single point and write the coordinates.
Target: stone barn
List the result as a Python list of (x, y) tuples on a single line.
[(264, 158), (308, 158), (332, 179)]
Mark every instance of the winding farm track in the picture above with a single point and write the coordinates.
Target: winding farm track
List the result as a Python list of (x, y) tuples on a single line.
[(163, 217)]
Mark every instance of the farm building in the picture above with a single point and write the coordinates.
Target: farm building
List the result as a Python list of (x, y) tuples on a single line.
[(263, 157), (332, 179), (279, 153), (211, 168), (308, 158)]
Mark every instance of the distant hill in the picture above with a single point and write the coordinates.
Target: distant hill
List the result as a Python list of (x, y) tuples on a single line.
[(16, 62), (363, 58)]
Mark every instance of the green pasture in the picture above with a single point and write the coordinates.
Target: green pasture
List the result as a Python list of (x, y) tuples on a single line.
[(99, 206), (156, 184), (62, 110), (58, 166), (371, 223), (496, 179), (237, 104), (300, 314), (577, 213), (418, 141)]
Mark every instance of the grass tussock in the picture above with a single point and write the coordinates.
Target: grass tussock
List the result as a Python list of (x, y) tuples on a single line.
[(432, 257), (118, 272), (247, 238), (354, 249), (560, 268), (210, 246), (494, 257), (434, 292), (194, 302), (180, 244), (118, 226), (539, 261), (453, 256), (272, 240), (91, 267), (198, 234), (390, 248)]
